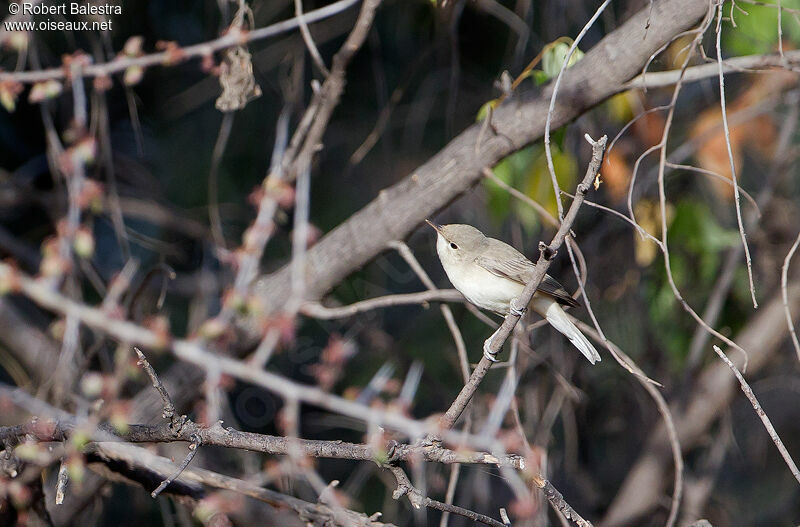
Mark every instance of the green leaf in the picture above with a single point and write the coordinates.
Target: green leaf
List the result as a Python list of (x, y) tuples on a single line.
[(553, 58), (484, 110)]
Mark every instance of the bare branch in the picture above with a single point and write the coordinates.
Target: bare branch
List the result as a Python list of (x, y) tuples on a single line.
[(193, 448), (216, 435), (737, 199), (419, 500), (785, 294), (175, 421), (761, 414), (316, 310), (745, 64)]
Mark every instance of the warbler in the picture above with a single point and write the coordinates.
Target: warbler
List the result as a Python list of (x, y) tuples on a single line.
[(491, 274)]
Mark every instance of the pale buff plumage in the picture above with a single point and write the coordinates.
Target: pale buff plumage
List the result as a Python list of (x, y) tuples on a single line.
[(491, 274)]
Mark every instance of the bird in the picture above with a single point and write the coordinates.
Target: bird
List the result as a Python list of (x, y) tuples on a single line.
[(491, 274)]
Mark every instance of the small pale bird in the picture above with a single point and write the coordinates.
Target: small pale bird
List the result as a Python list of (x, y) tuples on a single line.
[(491, 274)]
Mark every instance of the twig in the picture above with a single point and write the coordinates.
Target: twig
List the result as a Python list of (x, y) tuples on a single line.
[(419, 500), (176, 421), (662, 195), (661, 406), (543, 212), (547, 252), (785, 294), (289, 160), (737, 199), (447, 313), (193, 448), (309, 41), (192, 351), (214, 216), (401, 208), (761, 414), (556, 499), (695, 73), (707, 398), (564, 65), (317, 310)]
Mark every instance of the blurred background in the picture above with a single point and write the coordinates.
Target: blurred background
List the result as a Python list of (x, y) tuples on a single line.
[(423, 75)]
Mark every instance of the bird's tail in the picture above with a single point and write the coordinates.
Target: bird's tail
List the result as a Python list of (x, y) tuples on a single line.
[(558, 318)]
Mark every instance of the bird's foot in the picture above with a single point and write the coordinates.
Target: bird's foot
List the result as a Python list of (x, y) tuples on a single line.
[(487, 350), (515, 309)]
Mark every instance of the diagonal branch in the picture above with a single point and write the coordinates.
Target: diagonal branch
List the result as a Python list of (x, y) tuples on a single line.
[(419, 500), (761, 414)]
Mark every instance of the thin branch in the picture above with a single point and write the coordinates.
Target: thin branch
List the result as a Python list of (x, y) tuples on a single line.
[(661, 406), (317, 310), (176, 421), (550, 110), (662, 195), (761, 414), (558, 502), (289, 160), (193, 448), (193, 352), (785, 294), (231, 39), (61, 482), (309, 41), (737, 199), (419, 500), (447, 313), (400, 209), (743, 64), (543, 212)]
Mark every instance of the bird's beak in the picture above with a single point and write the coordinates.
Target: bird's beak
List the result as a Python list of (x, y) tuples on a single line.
[(436, 226)]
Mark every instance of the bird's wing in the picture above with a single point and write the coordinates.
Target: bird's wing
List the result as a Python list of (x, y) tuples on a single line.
[(503, 260)]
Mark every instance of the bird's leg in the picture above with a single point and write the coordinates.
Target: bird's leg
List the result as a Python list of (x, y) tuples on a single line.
[(516, 309), (487, 349)]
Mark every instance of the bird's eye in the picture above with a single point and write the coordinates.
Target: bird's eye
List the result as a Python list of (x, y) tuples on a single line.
[(453, 246)]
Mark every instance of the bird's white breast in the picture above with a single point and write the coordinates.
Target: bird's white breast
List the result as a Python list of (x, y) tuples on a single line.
[(479, 286)]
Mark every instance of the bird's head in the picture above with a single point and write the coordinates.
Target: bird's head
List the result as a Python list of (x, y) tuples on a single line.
[(457, 242)]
